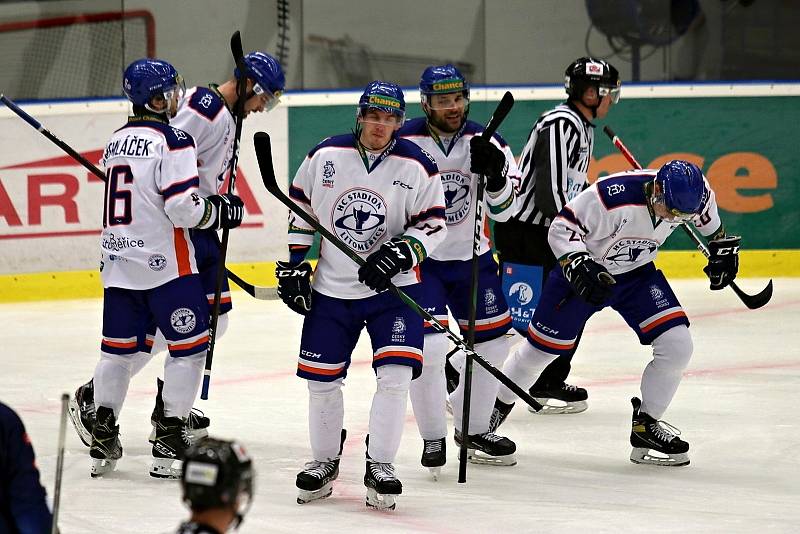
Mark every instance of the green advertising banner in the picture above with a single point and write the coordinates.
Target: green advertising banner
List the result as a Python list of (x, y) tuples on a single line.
[(744, 145)]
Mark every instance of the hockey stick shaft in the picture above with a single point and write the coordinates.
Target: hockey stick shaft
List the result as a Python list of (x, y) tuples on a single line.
[(257, 292), (62, 426), (751, 301), (263, 149), (500, 113), (241, 87), (58, 142)]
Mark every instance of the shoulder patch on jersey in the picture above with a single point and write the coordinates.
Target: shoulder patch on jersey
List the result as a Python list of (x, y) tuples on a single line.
[(206, 103), (625, 190), (340, 141), (414, 128), (405, 148)]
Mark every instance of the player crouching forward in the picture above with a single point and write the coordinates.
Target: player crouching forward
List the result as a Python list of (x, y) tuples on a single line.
[(462, 154), (148, 265), (382, 196), (606, 240)]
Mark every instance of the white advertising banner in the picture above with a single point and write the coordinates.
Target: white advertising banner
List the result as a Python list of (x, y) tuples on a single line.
[(51, 207)]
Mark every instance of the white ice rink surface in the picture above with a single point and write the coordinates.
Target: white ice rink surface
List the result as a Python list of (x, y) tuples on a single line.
[(737, 406)]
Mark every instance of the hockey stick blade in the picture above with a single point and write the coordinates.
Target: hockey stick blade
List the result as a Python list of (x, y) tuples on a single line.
[(258, 292), (754, 301), (499, 115), (263, 147)]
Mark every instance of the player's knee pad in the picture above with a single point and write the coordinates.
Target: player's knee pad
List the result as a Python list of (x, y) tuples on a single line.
[(394, 379), (434, 350), (324, 389), (222, 326), (125, 361), (674, 347), (197, 361), (495, 350)]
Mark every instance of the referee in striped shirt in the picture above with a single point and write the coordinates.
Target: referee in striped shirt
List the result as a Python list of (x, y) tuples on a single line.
[(554, 165)]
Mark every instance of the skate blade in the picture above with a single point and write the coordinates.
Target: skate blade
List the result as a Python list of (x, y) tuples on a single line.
[(643, 456), (167, 468), (101, 467), (84, 434), (477, 457), (435, 472), (556, 407), (380, 501), (306, 496)]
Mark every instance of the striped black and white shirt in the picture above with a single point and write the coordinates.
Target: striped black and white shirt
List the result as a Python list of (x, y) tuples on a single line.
[(554, 164)]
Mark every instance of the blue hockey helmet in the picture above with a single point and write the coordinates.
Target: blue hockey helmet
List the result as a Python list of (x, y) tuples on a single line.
[(384, 96), (147, 78), (442, 79), (265, 71), (682, 188)]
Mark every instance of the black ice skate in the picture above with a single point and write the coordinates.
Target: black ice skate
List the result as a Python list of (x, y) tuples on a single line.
[(656, 442), (315, 481), (105, 448), (564, 398), (451, 376), (82, 412), (434, 456), (499, 414), (197, 423), (169, 447), (382, 485), (489, 449)]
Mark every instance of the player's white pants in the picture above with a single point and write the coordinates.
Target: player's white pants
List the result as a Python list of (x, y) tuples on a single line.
[(325, 418), (182, 378), (429, 392), (672, 351), (112, 375), (388, 413), (484, 387), (140, 359), (523, 367)]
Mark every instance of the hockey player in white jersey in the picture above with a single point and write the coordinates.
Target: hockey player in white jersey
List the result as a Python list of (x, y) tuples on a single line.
[(149, 267), (462, 155), (207, 114), (382, 196), (605, 240)]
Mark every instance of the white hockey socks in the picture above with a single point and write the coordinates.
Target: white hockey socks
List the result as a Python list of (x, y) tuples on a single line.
[(388, 413), (672, 351), (523, 367), (484, 387), (429, 392), (325, 418), (182, 377), (112, 375)]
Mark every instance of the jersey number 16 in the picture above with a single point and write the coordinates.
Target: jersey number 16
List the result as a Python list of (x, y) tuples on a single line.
[(113, 196)]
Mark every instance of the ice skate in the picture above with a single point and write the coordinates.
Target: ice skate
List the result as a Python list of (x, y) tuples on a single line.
[(382, 485), (197, 423), (105, 448), (172, 440), (315, 481), (499, 414), (434, 456), (82, 412), (656, 442), (489, 449), (562, 399), (451, 376)]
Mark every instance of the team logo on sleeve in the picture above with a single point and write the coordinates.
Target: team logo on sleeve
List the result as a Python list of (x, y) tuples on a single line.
[(328, 170), (183, 320), (457, 198), (358, 218)]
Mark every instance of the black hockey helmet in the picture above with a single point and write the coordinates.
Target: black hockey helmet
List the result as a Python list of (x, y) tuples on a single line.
[(217, 473), (587, 72)]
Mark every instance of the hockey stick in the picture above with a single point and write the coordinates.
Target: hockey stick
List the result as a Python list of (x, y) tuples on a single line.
[(258, 292), (500, 112), (241, 87), (60, 460), (263, 148), (751, 301)]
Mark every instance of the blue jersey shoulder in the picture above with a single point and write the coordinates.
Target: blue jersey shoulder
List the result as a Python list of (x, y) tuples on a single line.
[(341, 141), (175, 137), (414, 127), (473, 128), (408, 149), (625, 190), (206, 103)]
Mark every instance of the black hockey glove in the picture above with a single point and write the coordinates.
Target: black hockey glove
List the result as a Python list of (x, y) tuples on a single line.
[(391, 258), (723, 261), (294, 285), (488, 160), (590, 280), (230, 211)]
